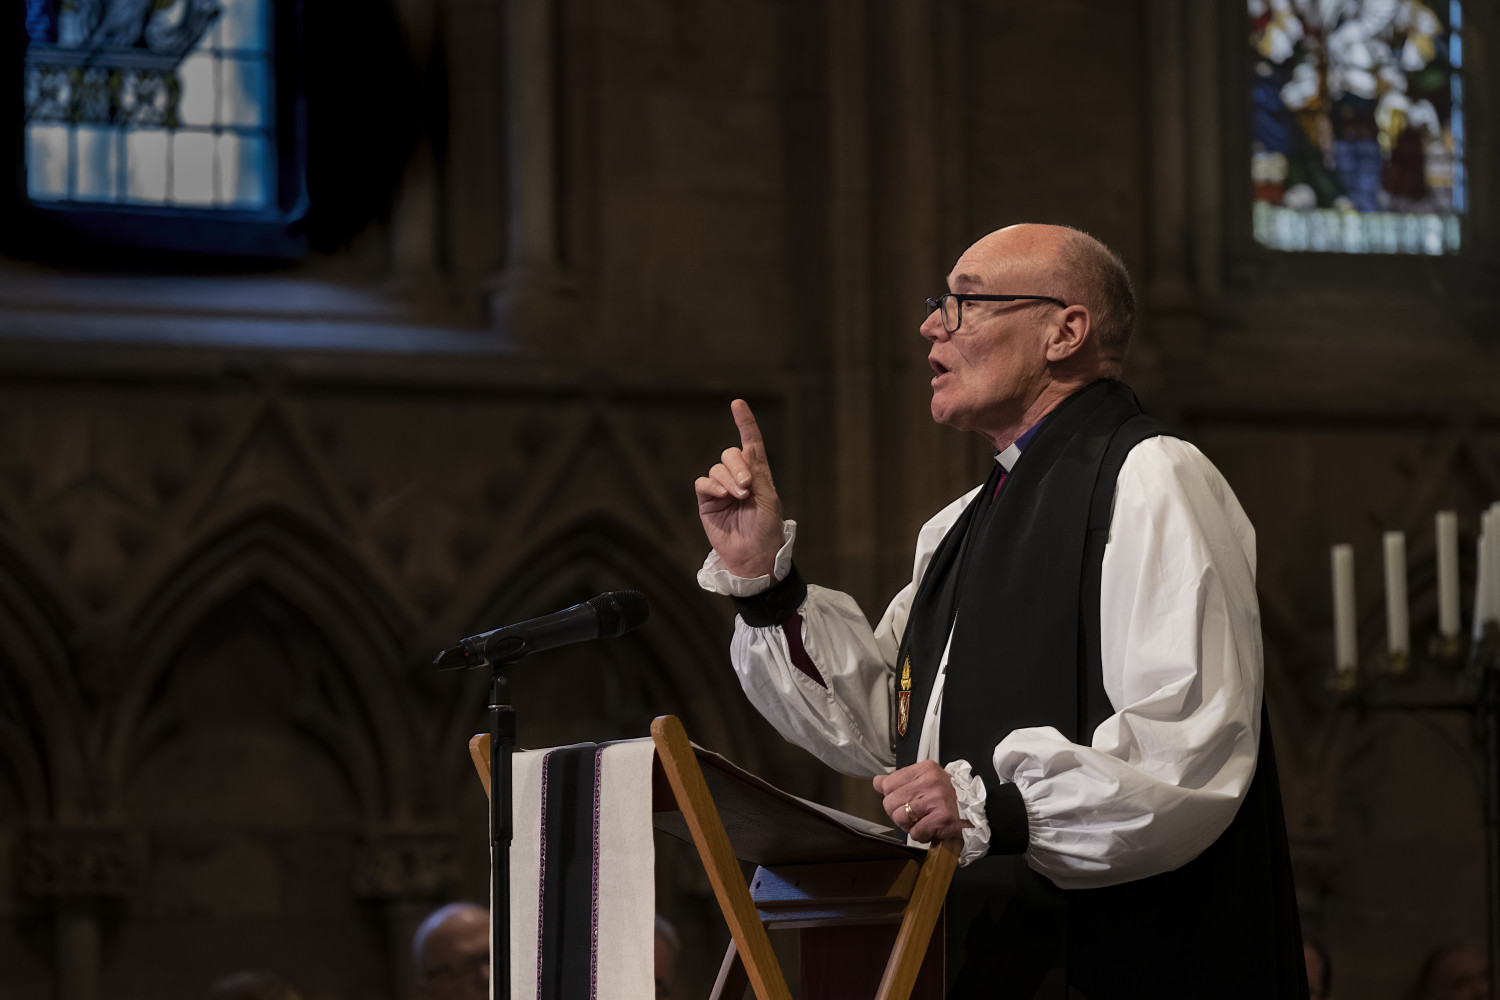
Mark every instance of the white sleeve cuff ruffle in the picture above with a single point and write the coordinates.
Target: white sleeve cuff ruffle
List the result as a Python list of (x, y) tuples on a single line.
[(715, 578), (971, 796)]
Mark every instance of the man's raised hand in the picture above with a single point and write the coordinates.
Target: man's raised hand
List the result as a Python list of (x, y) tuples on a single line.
[(738, 505)]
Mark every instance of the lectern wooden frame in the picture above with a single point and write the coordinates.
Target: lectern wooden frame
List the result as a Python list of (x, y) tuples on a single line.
[(831, 893)]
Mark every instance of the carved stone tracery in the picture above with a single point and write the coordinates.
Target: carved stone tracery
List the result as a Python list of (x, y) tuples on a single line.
[(63, 863), (406, 866)]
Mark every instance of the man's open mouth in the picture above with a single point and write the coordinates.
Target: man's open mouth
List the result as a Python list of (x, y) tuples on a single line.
[(937, 367)]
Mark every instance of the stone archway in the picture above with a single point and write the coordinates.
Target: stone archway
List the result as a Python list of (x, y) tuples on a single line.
[(264, 747)]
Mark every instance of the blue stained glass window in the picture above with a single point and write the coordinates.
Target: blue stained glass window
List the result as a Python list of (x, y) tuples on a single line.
[(1357, 140), (155, 103)]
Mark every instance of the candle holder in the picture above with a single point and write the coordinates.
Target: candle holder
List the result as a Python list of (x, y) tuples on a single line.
[(1447, 651), (1488, 646), (1448, 676), (1458, 674)]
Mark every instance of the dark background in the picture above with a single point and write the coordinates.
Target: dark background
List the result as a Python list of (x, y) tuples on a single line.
[(243, 503)]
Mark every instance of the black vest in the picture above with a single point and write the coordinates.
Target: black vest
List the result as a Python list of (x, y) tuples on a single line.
[(1021, 571)]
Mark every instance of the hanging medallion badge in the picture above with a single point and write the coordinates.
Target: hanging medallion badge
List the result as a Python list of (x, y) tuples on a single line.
[(903, 700)]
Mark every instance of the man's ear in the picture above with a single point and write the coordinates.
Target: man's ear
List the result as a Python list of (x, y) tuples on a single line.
[(1069, 336)]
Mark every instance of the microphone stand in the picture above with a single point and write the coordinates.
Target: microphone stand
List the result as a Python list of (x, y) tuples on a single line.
[(502, 743), (604, 616)]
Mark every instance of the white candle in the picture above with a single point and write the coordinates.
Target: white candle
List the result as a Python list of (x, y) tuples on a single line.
[(1482, 578), (1345, 655), (1447, 561), (1492, 562), (1397, 622)]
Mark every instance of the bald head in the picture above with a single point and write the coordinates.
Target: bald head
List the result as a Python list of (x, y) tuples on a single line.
[(451, 953), (1071, 265), (1000, 364), (1103, 285)]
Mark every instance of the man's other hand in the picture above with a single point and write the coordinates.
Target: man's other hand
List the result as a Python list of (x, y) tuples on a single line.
[(738, 505), (928, 790)]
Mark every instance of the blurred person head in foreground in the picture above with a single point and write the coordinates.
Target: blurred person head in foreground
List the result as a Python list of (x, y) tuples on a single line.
[(451, 954)]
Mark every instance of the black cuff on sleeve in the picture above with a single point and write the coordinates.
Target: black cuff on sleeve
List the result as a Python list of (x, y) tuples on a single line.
[(773, 606), (1003, 806)]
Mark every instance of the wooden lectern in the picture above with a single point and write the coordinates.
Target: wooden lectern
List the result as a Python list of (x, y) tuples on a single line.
[(844, 889)]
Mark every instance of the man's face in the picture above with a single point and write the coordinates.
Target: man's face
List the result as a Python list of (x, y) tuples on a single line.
[(455, 960), (988, 372)]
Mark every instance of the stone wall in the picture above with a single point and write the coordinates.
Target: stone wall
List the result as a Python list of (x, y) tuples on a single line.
[(241, 507)]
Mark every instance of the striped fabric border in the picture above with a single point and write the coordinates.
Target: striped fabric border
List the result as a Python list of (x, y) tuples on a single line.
[(584, 856), (525, 873), (568, 891), (594, 893), (541, 873)]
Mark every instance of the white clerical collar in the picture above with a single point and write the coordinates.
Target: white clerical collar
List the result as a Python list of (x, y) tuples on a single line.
[(1011, 455)]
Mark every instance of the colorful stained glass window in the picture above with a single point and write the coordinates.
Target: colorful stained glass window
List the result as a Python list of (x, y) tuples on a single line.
[(156, 103), (1357, 141)]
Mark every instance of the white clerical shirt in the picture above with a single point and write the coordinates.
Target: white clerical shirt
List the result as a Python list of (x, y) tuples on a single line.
[(1161, 778)]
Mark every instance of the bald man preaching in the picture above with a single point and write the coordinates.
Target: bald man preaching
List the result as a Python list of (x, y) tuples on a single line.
[(1070, 686)]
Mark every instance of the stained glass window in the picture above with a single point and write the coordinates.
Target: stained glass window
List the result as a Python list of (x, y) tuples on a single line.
[(150, 103), (1358, 129)]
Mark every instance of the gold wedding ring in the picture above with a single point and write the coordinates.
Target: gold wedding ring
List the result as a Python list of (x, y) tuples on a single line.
[(911, 817)]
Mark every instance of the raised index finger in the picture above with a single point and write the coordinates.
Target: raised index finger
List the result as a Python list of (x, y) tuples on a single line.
[(751, 442)]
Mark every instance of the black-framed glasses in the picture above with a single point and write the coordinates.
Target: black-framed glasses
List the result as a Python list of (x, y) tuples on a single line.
[(951, 305)]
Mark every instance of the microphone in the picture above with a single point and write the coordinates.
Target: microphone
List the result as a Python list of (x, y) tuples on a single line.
[(610, 614)]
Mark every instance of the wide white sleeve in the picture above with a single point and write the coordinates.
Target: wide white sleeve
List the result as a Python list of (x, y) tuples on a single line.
[(841, 711), (1180, 632)]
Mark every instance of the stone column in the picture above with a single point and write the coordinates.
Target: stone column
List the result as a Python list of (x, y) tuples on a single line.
[(936, 462), (531, 102), (1207, 144), (533, 286), (406, 874), (851, 334), (1171, 321), (416, 215), (75, 870)]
